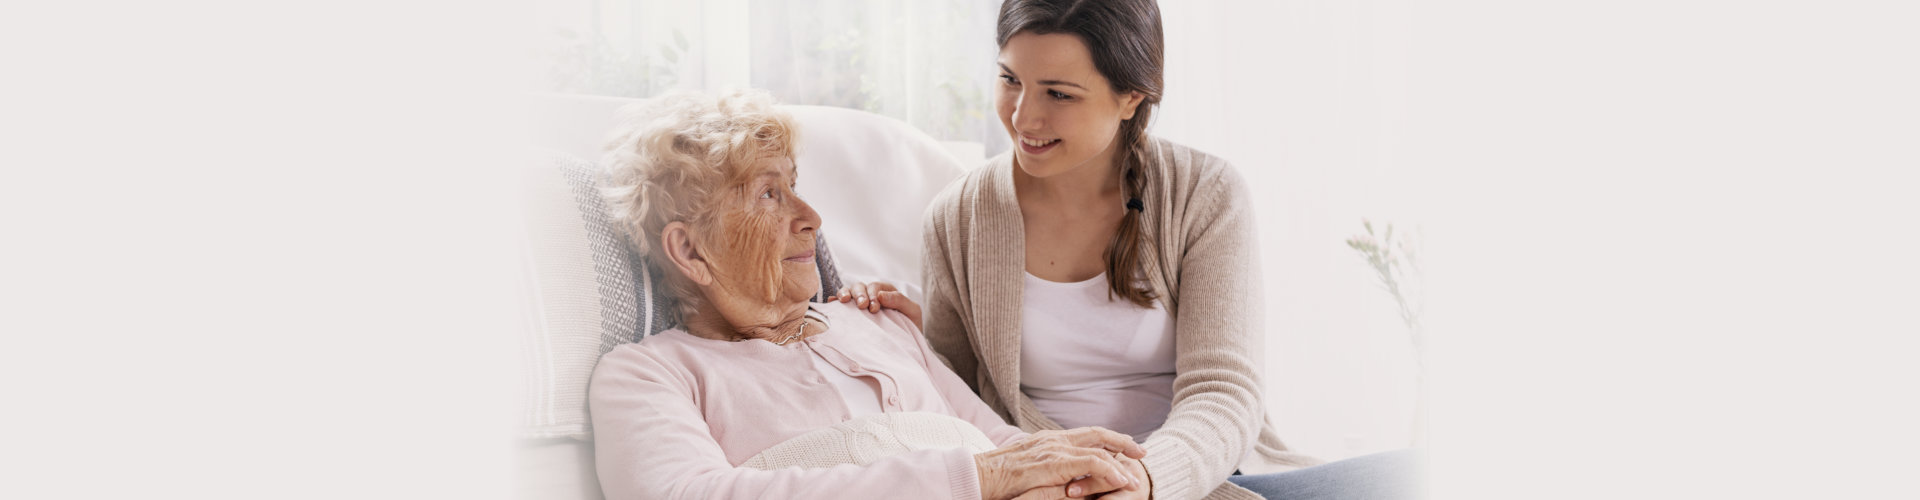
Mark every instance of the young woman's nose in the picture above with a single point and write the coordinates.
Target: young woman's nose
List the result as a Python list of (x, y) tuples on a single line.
[(1027, 114)]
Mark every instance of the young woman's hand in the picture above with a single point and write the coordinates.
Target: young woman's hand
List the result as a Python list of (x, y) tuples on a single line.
[(879, 294), (1056, 464), (1139, 471)]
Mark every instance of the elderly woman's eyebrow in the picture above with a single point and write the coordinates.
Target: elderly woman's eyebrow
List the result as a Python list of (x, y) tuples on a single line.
[(770, 177), (790, 170)]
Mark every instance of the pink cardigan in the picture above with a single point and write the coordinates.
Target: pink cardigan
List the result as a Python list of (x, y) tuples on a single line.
[(674, 415)]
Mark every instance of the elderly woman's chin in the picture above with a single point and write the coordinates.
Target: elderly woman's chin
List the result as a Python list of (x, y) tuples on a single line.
[(802, 276), (802, 281)]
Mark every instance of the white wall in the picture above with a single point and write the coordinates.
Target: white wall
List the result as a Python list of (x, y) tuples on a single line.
[(1306, 99), (1671, 244)]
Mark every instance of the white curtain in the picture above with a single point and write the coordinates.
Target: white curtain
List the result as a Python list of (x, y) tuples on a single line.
[(928, 63)]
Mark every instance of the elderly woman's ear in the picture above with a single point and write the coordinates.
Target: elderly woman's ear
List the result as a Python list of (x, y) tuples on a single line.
[(676, 244)]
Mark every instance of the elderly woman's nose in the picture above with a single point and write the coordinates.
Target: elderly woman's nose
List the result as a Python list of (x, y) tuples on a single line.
[(806, 219)]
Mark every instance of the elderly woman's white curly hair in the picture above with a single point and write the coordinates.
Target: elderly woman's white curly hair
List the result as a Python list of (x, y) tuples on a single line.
[(674, 157)]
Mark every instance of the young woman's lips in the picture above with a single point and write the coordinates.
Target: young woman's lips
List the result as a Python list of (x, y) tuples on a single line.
[(804, 258), (1037, 146)]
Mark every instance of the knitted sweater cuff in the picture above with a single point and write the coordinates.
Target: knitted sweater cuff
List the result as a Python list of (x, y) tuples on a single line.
[(1171, 466), (963, 476)]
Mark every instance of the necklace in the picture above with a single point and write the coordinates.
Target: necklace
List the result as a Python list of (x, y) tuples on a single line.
[(812, 314)]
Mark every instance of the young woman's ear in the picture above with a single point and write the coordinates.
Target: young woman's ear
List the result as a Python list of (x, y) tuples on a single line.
[(1129, 103), (676, 242)]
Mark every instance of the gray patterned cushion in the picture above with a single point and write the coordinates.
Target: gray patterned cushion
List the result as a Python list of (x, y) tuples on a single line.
[(592, 292)]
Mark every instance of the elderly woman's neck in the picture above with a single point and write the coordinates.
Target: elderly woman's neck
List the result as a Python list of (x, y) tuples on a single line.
[(770, 325)]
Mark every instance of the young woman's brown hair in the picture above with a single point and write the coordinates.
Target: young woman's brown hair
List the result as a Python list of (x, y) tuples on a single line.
[(1130, 57)]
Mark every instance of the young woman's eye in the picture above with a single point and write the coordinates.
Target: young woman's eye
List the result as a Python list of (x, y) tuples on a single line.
[(1058, 95), (1008, 79)]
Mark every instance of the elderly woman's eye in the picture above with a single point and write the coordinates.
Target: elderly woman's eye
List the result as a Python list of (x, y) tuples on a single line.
[(767, 195)]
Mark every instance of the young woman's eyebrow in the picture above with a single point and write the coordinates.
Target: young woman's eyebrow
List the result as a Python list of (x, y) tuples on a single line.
[(1064, 83), (1003, 67)]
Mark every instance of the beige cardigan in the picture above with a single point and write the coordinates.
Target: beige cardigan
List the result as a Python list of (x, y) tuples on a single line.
[(1203, 262)]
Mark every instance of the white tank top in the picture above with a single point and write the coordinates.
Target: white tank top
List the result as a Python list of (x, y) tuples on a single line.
[(1088, 360)]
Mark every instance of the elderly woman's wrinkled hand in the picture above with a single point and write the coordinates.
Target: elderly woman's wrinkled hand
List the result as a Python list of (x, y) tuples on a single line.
[(1056, 464), (1134, 465), (880, 294)]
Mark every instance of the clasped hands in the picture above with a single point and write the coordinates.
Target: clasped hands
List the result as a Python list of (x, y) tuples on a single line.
[(1089, 462)]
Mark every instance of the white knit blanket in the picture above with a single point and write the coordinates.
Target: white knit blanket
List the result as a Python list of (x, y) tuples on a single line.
[(863, 440)]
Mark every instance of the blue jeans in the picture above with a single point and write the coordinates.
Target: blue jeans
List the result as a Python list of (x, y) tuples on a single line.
[(1392, 475)]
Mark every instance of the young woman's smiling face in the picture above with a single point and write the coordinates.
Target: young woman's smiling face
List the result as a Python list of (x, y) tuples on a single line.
[(1059, 110)]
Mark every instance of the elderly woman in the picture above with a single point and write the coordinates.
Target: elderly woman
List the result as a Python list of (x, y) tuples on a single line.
[(761, 394)]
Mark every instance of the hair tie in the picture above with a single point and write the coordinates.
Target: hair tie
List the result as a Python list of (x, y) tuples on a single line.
[(1135, 205)]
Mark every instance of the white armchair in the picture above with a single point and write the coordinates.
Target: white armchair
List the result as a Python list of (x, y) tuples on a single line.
[(869, 176)]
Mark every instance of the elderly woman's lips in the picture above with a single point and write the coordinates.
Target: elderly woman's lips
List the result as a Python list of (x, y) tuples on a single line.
[(802, 258)]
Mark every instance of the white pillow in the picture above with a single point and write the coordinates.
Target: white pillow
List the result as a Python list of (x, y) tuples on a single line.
[(586, 294), (871, 178)]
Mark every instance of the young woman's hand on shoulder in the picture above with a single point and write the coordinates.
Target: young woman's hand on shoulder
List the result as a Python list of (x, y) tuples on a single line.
[(875, 295)]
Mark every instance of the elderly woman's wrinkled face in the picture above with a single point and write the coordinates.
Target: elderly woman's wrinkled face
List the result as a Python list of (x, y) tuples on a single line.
[(762, 251)]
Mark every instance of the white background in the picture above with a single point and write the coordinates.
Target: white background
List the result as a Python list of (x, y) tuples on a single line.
[(260, 251), (1308, 100)]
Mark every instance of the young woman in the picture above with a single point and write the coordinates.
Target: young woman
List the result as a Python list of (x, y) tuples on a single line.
[(1098, 276)]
